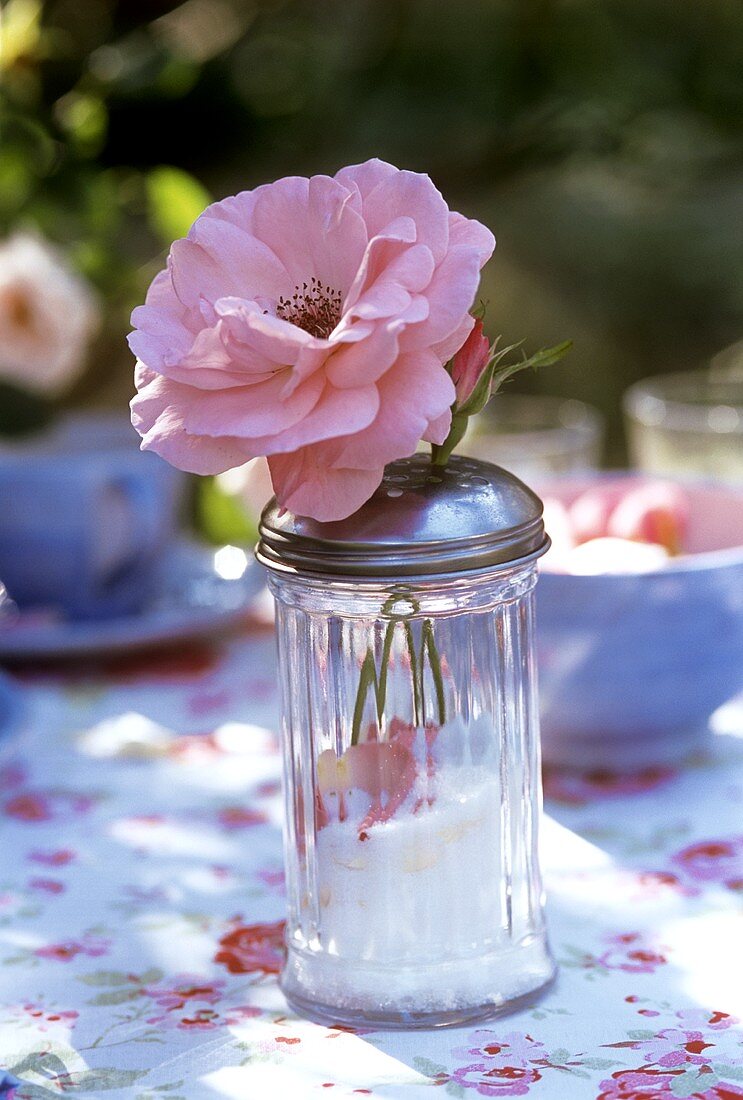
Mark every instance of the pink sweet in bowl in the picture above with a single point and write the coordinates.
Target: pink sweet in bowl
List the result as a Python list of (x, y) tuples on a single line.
[(640, 618)]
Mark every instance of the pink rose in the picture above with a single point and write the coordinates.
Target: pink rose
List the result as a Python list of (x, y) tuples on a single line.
[(469, 362), (637, 1084), (630, 952), (717, 860), (309, 320), (48, 316), (248, 949)]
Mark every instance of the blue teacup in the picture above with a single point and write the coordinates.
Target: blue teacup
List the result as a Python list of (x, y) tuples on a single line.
[(85, 517)]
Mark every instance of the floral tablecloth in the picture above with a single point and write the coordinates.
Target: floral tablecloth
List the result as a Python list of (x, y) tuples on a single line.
[(141, 903)]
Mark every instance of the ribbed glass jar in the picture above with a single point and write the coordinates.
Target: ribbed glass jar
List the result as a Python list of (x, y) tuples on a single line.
[(412, 784)]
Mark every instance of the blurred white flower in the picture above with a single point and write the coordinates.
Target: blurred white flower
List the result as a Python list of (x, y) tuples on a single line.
[(48, 315)]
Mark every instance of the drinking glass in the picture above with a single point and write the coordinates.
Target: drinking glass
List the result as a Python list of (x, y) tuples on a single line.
[(537, 436), (687, 423)]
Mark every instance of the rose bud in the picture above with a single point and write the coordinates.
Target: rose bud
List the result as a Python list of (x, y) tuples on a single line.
[(469, 362)]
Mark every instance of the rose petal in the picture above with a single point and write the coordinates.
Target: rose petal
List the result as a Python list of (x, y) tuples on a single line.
[(412, 195), (337, 413), (255, 410), (472, 234), (417, 391), (314, 229), (246, 261), (306, 483)]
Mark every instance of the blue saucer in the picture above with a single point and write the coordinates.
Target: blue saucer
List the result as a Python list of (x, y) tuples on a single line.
[(11, 706)]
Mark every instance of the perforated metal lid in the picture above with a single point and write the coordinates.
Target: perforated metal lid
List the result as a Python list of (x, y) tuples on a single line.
[(471, 516)]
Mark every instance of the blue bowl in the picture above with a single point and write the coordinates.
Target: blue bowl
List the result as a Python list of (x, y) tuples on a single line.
[(632, 666)]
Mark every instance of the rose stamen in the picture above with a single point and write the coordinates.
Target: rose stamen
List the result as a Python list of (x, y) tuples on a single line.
[(313, 307)]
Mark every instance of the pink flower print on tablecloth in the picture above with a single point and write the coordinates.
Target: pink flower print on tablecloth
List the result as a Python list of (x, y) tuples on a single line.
[(194, 1004), (496, 1080), (240, 817), (207, 1019), (632, 953), (45, 1019), (36, 807), (656, 884), (88, 944), (499, 1065), (186, 1002), (646, 1083), (578, 788), (12, 775), (716, 1021), (676, 1061), (274, 879), (254, 948), (515, 1046), (714, 861), (723, 1090), (177, 991), (637, 1084), (46, 886), (56, 857), (673, 1048)]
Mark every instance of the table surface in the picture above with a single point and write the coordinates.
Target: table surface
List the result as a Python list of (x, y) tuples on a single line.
[(141, 900)]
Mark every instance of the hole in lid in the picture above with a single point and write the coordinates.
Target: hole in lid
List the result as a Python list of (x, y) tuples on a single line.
[(394, 492), (476, 479)]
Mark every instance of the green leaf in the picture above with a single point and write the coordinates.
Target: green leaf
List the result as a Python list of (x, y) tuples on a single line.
[(723, 1071), (545, 357), (150, 976), (640, 1033), (174, 199), (105, 977), (115, 997), (691, 1082), (426, 1066), (43, 1062), (109, 1078), (493, 377)]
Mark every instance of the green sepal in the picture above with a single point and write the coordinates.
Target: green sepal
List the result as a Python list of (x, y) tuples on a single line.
[(489, 382)]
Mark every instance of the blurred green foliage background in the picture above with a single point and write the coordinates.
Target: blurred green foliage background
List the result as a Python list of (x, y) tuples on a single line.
[(599, 139)]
